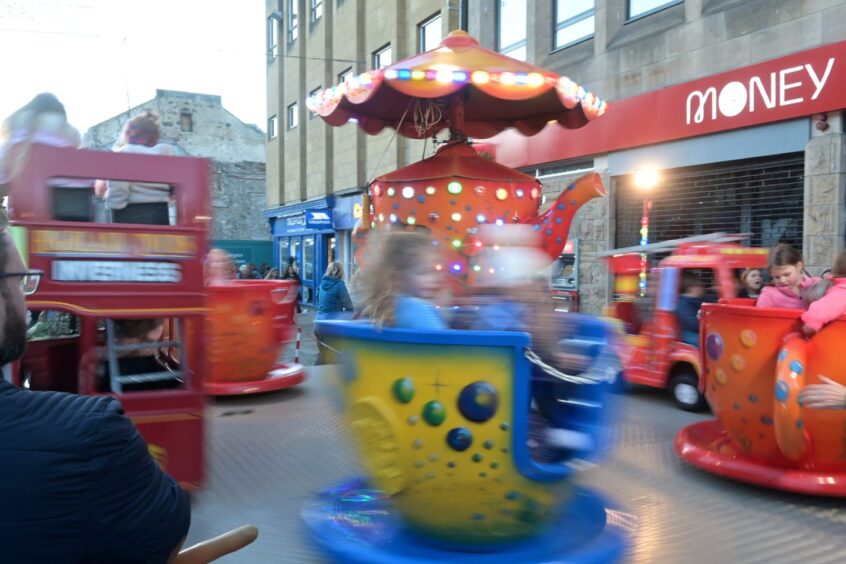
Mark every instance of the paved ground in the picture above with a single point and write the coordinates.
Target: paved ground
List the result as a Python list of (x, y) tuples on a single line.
[(269, 453)]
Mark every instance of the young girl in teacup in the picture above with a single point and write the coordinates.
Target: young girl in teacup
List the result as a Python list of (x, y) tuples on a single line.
[(787, 270), (401, 283)]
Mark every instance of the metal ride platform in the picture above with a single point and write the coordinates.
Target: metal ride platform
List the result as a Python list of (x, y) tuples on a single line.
[(269, 453)]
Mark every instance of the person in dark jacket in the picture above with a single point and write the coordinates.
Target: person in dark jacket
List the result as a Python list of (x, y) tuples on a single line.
[(333, 302), (333, 299), (691, 299), (291, 273), (78, 482)]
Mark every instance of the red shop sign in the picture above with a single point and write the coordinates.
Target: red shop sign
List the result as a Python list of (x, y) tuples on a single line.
[(794, 86)]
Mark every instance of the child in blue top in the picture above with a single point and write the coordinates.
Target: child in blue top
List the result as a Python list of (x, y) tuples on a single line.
[(400, 283)]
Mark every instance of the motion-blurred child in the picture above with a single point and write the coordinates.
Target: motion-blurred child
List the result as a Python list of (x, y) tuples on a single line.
[(401, 283)]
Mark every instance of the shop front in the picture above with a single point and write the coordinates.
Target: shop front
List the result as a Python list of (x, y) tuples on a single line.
[(304, 233), (313, 234), (758, 150)]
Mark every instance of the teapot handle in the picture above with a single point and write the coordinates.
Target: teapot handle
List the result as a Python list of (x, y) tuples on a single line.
[(792, 437)]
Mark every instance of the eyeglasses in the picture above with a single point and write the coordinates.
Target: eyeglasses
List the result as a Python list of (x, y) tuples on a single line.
[(29, 280)]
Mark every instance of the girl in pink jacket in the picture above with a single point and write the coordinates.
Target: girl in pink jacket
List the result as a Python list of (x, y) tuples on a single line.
[(833, 304), (789, 279)]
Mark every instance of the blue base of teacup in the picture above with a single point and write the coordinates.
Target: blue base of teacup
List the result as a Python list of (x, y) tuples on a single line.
[(354, 523)]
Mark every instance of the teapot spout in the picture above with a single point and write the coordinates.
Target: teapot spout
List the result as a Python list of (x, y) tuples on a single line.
[(554, 224)]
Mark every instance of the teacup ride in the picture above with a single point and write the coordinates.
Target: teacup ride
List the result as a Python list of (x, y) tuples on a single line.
[(447, 427), (755, 363), (248, 324)]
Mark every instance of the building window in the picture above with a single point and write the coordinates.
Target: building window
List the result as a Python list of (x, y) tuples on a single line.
[(272, 38), (639, 8), (293, 116), (511, 28), (382, 57), (429, 33), (186, 121), (272, 127), (293, 20), (310, 94), (316, 10), (344, 75), (574, 21)]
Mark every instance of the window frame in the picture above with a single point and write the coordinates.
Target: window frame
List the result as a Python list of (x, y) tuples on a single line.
[(377, 54), (647, 13), (561, 25), (506, 49), (292, 115), (421, 30), (272, 127), (314, 6), (312, 92), (292, 30), (272, 38), (182, 115), (343, 73)]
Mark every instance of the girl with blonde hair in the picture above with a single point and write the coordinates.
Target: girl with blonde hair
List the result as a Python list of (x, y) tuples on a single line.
[(400, 282)]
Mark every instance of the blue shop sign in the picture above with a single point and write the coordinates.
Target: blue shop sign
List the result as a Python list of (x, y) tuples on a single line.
[(295, 224), (318, 219)]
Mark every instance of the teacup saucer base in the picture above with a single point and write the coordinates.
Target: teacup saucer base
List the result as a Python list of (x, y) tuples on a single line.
[(707, 445), (354, 523)]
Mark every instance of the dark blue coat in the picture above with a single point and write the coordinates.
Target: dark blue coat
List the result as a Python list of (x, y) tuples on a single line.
[(78, 485), (332, 298)]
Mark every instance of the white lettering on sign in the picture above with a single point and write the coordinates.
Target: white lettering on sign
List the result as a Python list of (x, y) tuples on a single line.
[(781, 88), (115, 271), (320, 216), (295, 220)]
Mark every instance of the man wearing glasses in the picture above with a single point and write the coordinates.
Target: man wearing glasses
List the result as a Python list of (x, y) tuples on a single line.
[(78, 484)]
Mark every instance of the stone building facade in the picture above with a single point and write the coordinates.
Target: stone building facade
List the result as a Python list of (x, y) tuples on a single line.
[(198, 125)]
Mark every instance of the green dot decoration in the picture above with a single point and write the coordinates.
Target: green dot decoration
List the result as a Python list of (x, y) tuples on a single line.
[(403, 390), (434, 413)]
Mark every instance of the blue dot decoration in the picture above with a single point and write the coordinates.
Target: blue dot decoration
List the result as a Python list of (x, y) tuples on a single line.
[(736, 406), (558, 220), (782, 392), (573, 203), (561, 206), (796, 367), (421, 199), (782, 355), (512, 495), (800, 423), (753, 398), (478, 401), (766, 420), (558, 239), (459, 439), (536, 227), (549, 231)]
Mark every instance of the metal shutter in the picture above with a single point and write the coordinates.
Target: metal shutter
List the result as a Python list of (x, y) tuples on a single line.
[(764, 197)]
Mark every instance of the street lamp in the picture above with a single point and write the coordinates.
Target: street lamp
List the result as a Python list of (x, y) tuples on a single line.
[(645, 179)]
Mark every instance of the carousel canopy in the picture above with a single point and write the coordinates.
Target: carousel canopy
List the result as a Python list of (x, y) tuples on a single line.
[(460, 85)]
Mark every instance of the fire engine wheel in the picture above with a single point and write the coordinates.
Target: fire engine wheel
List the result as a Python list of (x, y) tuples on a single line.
[(685, 389)]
